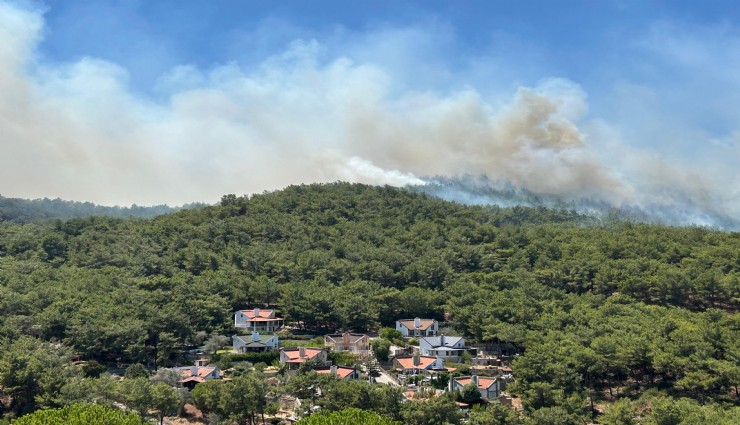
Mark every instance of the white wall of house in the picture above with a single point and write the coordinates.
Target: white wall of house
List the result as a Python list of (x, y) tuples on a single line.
[(239, 342), (240, 319), (454, 351), (413, 332)]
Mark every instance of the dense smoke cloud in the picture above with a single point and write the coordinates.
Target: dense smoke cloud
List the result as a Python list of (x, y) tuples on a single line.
[(78, 131)]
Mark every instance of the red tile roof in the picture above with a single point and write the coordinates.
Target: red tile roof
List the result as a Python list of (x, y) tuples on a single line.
[(201, 372), (264, 315), (342, 372), (408, 362), (483, 383), (294, 355)]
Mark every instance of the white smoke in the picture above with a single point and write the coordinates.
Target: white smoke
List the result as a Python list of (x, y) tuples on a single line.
[(78, 131)]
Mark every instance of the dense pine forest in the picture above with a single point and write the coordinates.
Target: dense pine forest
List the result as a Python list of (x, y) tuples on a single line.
[(615, 316), (18, 210)]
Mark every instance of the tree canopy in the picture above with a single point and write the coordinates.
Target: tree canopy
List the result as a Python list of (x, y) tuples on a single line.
[(596, 310), (347, 417), (79, 414)]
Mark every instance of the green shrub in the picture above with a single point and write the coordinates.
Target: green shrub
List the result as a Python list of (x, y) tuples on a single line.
[(267, 357), (347, 417), (80, 414), (342, 358)]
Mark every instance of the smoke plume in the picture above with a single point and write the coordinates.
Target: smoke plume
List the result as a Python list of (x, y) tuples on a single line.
[(79, 131)]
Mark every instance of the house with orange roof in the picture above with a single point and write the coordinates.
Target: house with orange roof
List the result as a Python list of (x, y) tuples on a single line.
[(417, 327), (488, 386), (294, 357), (354, 343), (341, 372), (257, 319), (198, 373), (416, 364)]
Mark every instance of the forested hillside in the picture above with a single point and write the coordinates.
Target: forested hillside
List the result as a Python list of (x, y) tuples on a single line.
[(39, 210), (596, 311)]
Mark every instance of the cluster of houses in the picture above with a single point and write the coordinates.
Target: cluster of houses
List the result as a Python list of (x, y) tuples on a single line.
[(259, 327)]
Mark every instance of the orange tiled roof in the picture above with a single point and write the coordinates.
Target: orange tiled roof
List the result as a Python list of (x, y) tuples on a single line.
[(294, 355), (342, 372), (424, 325), (483, 383), (263, 315), (408, 362), (201, 372)]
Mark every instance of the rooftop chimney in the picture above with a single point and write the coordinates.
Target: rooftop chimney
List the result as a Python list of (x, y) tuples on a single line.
[(442, 340), (333, 370), (345, 340), (474, 378), (417, 323), (255, 336), (256, 312), (416, 359), (301, 352)]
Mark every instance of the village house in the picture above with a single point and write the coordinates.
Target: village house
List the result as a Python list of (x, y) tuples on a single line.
[(198, 373), (354, 343), (449, 348), (258, 319), (294, 357), (417, 327), (488, 386), (341, 372), (254, 342), (416, 364)]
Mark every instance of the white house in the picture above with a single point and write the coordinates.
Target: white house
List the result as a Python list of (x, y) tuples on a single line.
[(254, 342), (446, 347), (489, 387), (417, 327), (257, 319)]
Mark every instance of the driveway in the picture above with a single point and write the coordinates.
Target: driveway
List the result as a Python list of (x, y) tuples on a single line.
[(384, 378)]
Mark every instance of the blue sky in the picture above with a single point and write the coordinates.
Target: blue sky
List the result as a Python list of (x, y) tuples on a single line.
[(632, 102), (592, 42)]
